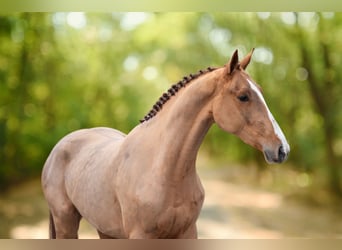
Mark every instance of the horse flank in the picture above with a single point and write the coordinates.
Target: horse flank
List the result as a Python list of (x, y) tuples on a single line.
[(172, 91)]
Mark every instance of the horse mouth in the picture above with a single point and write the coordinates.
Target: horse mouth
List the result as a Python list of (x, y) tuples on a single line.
[(277, 156)]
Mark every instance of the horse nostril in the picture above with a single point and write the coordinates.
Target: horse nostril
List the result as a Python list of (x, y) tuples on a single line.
[(276, 156), (281, 154)]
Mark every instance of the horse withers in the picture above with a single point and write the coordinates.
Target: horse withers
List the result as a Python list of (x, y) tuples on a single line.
[(144, 184)]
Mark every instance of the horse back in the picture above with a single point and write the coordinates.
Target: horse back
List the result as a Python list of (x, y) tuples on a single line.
[(71, 145)]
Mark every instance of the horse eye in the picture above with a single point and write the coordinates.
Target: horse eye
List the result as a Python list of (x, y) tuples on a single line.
[(243, 98)]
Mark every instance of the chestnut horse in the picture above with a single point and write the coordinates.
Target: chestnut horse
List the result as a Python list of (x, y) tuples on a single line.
[(144, 184)]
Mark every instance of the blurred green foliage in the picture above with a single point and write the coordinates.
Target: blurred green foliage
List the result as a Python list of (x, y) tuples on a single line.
[(60, 72)]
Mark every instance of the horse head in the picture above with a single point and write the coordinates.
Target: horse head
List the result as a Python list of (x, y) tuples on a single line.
[(239, 108)]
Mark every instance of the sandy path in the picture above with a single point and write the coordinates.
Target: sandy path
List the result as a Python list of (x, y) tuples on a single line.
[(229, 211)]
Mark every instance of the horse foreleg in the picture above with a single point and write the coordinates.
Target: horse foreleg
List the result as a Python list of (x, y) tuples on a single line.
[(104, 236), (190, 233)]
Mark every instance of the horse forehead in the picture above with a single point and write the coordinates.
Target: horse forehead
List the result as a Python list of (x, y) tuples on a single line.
[(257, 89), (243, 79)]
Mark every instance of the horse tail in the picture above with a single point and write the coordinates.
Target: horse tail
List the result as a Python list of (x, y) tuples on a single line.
[(52, 229)]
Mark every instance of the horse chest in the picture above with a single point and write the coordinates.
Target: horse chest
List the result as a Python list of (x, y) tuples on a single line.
[(158, 208)]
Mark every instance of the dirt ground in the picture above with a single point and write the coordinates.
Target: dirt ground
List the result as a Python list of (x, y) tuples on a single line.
[(231, 210)]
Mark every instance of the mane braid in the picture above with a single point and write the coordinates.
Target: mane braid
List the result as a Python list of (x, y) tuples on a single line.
[(172, 91)]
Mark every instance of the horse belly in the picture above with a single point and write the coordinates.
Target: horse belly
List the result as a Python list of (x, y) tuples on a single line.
[(105, 217), (92, 193), (96, 201)]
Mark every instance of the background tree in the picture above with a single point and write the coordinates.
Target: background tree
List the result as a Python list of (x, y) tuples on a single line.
[(64, 71)]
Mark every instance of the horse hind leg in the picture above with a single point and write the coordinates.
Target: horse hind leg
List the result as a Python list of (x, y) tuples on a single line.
[(52, 229), (64, 223)]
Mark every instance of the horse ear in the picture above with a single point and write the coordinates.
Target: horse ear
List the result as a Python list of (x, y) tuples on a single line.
[(233, 63), (244, 62)]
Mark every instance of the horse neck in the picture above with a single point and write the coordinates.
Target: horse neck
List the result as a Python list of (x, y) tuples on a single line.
[(182, 125)]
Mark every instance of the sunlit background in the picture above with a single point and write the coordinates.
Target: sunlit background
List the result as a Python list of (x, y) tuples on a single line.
[(60, 72)]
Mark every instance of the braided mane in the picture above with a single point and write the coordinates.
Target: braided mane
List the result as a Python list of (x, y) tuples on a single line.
[(172, 91)]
